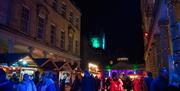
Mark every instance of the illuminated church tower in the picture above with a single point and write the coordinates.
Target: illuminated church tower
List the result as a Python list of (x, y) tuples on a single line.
[(97, 41)]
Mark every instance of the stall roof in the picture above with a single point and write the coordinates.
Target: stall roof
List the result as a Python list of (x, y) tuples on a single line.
[(40, 61), (11, 58)]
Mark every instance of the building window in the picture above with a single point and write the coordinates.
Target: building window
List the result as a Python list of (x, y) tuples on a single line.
[(53, 35), (63, 10), (41, 27), (71, 17), (62, 40), (54, 4), (77, 45), (25, 20), (77, 23), (70, 39)]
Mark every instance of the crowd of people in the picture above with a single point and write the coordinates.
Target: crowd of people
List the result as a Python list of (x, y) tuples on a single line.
[(49, 82)]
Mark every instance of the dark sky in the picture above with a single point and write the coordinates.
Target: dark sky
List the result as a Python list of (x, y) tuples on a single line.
[(121, 21)]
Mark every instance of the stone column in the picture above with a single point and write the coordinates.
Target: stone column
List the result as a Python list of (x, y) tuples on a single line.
[(163, 25), (175, 39)]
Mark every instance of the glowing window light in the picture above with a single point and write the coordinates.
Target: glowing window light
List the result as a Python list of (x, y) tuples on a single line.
[(95, 42)]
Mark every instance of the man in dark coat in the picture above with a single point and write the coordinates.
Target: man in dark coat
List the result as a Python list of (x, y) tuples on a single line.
[(161, 82), (87, 83), (5, 85), (148, 80)]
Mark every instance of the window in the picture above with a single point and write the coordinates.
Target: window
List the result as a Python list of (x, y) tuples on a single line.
[(62, 40), (77, 23), (71, 16), (64, 7), (41, 27), (70, 39), (25, 19), (53, 35), (54, 3)]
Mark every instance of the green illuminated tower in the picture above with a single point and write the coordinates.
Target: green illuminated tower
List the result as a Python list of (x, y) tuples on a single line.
[(98, 41)]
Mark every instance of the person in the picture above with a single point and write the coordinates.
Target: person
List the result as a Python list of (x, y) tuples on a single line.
[(87, 83), (136, 84), (97, 83), (76, 84), (5, 85), (112, 85), (102, 84), (128, 83), (174, 83), (108, 83), (62, 84), (119, 84), (15, 81), (147, 81), (46, 83), (160, 83), (36, 78), (26, 84)]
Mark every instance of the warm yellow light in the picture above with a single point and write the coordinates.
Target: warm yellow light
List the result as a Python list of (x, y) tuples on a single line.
[(92, 65)]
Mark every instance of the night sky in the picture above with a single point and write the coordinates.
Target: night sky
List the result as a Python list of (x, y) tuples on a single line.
[(120, 20)]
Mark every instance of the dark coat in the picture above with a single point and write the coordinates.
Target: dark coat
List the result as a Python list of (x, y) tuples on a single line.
[(148, 81), (159, 84), (6, 86), (50, 86), (76, 85), (88, 84), (172, 88)]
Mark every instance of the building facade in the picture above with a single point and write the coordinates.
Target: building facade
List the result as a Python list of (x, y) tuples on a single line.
[(42, 28), (161, 34)]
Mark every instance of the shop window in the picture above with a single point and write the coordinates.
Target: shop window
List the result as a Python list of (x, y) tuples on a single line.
[(62, 40), (53, 35), (41, 27), (54, 4), (25, 19)]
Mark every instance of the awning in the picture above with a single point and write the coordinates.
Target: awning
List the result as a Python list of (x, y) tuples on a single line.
[(11, 58)]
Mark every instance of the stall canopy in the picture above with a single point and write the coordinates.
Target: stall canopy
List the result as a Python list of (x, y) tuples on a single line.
[(11, 58)]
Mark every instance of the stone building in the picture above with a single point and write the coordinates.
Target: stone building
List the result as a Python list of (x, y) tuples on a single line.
[(161, 34), (44, 29)]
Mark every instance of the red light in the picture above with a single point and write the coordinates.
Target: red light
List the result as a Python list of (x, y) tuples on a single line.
[(146, 34)]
